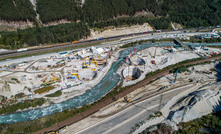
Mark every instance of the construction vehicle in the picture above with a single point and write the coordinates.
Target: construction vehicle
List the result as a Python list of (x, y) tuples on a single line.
[(55, 79), (77, 75), (51, 81), (127, 99), (95, 61), (100, 38), (86, 63), (74, 42), (153, 62)]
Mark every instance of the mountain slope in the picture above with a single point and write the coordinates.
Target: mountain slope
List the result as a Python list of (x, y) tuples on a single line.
[(16, 10)]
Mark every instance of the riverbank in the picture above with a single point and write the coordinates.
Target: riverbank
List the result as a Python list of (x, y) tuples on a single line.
[(110, 95), (120, 93)]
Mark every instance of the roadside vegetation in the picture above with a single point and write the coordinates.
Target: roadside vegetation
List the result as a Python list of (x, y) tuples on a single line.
[(132, 44), (159, 128), (208, 40), (210, 123)]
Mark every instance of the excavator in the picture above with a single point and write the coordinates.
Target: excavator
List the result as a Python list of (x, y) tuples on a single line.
[(86, 63), (127, 99), (94, 61), (76, 75)]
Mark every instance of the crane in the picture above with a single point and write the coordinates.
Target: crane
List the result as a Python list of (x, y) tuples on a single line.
[(133, 60), (155, 52), (175, 76), (134, 50)]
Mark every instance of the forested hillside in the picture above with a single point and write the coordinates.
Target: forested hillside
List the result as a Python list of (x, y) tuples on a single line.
[(99, 10), (51, 34), (187, 12), (16, 10), (190, 13), (52, 10), (100, 14), (194, 13)]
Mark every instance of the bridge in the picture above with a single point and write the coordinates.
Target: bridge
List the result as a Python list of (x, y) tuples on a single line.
[(178, 42)]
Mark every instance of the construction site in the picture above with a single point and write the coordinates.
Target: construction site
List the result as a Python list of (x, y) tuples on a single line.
[(64, 71), (139, 63), (180, 97), (74, 72), (84, 76)]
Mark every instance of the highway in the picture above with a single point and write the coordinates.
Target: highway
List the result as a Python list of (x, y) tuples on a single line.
[(123, 121), (57, 47), (124, 41), (58, 126)]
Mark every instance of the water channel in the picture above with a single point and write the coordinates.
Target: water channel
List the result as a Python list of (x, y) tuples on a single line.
[(90, 96)]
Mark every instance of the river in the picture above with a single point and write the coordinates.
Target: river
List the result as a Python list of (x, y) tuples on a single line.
[(90, 96)]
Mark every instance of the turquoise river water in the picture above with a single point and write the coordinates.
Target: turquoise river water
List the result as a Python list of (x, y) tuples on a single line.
[(90, 96)]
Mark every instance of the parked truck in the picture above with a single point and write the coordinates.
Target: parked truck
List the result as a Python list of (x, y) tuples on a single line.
[(23, 49), (100, 38)]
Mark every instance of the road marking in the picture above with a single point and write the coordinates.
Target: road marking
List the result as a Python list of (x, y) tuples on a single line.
[(124, 122), (121, 112)]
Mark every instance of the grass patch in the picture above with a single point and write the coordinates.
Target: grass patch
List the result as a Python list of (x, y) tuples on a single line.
[(8, 109), (56, 94), (180, 69), (14, 79), (44, 89)]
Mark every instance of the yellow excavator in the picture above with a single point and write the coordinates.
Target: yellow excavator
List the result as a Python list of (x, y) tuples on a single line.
[(77, 75), (86, 63), (127, 99), (94, 61)]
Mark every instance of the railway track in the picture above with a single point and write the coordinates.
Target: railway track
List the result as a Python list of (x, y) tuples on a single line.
[(98, 106), (64, 45)]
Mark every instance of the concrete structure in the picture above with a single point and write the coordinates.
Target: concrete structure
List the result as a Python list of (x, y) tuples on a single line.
[(131, 73)]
